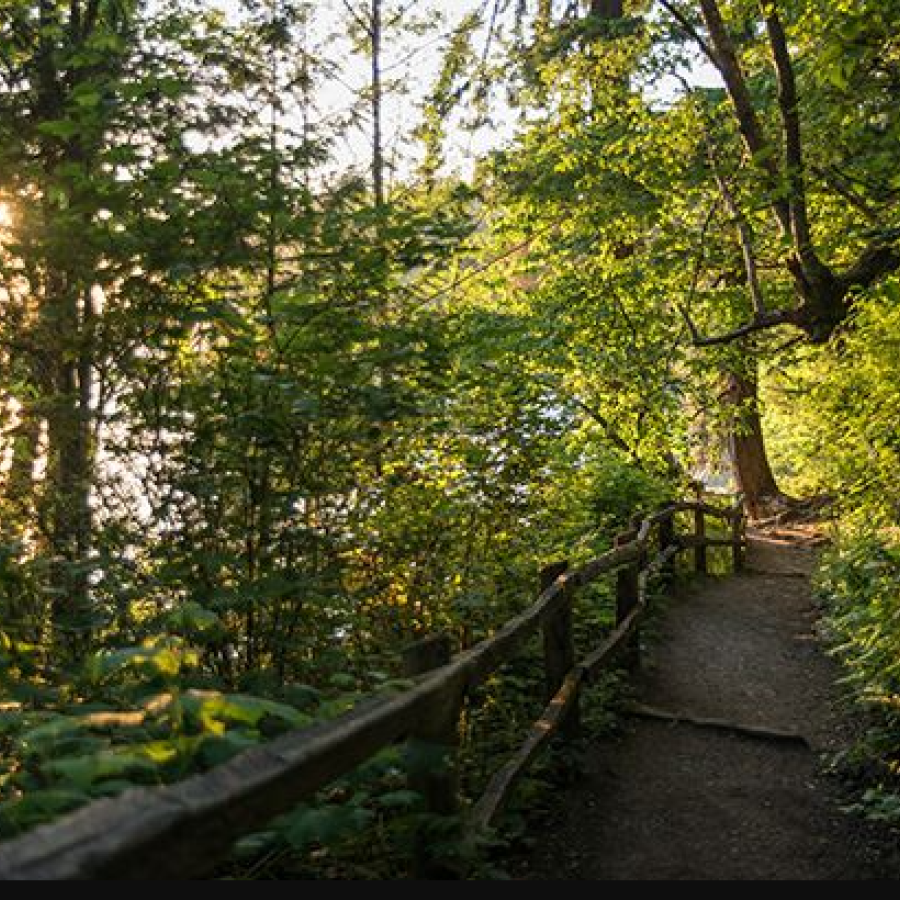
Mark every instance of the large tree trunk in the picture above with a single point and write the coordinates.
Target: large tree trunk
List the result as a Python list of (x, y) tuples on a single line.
[(70, 474), (753, 471), (65, 351)]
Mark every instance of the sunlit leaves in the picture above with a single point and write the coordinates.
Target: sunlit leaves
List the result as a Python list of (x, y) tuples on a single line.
[(163, 659), (217, 713), (839, 408), (858, 583)]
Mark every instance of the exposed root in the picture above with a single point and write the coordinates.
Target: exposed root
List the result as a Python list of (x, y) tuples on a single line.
[(800, 520), (755, 732)]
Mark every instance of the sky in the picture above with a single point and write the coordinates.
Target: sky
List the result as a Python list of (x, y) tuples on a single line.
[(416, 64), (412, 67)]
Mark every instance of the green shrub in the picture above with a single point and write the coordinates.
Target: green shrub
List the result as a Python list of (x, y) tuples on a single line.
[(860, 583)]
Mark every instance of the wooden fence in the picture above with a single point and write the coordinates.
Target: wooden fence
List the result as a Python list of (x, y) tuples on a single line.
[(185, 830)]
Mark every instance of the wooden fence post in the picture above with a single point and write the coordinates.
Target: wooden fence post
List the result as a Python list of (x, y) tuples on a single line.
[(628, 587), (432, 751), (628, 596), (739, 535), (559, 648), (667, 540), (701, 551), (433, 746)]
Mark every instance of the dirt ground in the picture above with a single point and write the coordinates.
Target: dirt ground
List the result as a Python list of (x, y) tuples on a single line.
[(676, 802)]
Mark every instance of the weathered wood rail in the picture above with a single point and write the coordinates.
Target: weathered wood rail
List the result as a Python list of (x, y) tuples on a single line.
[(186, 829)]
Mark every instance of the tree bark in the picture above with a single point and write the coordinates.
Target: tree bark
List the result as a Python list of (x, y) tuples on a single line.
[(753, 471), (611, 10)]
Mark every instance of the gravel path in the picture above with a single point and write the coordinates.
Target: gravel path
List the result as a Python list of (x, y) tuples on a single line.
[(675, 802)]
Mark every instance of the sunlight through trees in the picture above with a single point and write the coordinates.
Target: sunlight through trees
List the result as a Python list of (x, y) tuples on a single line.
[(327, 326)]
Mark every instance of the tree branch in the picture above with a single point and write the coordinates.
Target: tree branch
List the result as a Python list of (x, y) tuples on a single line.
[(876, 262), (688, 27), (844, 188), (795, 158), (826, 297), (746, 236), (789, 345), (767, 322), (364, 26), (699, 264), (91, 18), (75, 19), (612, 435), (725, 57)]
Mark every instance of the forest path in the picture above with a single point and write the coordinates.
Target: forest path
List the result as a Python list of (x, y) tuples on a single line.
[(677, 802)]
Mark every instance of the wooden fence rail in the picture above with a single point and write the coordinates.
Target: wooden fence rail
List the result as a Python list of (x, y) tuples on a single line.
[(186, 829)]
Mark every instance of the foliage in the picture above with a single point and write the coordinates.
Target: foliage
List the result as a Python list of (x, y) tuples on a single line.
[(270, 414), (256, 446), (143, 725), (842, 404), (860, 583)]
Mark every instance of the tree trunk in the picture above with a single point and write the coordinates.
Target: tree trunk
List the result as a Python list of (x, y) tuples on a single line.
[(378, 159), (612, 10), (70, 476), (753, 471), (65, 338)]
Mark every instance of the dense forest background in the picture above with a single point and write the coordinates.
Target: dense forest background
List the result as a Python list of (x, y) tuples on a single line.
[(326, 326)]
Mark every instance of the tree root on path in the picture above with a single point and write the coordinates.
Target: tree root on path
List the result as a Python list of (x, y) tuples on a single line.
[(783, 511), (769, 573), (754, 732)]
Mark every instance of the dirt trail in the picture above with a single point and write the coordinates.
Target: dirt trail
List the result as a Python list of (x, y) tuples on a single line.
[(674, 802)]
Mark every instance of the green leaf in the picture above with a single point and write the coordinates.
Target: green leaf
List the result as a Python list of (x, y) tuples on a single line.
[(400, 800), (344, 683), (171, 88), (217, 750), (53, 735), (19, 816), (194, 619), (256, 845), (64, 129), (88, 98), (165, 660), (84, 771), (326, 826), (217, 712)]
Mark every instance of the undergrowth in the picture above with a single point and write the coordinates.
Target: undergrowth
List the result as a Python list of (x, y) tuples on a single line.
[(859, 583)]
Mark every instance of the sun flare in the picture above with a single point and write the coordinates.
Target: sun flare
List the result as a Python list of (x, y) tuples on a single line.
[(6, 218)]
